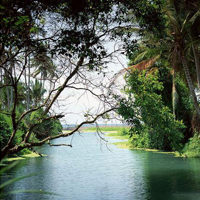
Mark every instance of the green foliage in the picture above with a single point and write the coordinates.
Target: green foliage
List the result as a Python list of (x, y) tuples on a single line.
[(153, 124), (44, 128), (24, 152), (192, 147), (35, 116), (37, 92), (184, 110), (48, 127), (18, 137), (140, 139), (33, 138), (124, 131), (57, 127), (5, 130)]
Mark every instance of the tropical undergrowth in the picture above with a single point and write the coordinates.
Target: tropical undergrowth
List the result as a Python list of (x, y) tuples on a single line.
[(147, 108), (192, 147), (48, 127)]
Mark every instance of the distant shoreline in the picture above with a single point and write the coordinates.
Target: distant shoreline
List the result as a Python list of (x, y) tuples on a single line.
[(87, 126)]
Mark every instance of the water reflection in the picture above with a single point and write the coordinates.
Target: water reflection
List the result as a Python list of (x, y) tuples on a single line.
[(90, 171), (172, 178)]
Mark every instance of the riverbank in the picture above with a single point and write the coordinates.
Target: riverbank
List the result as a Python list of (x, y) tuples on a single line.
[(126, 174), (89, 131), (126, 144), (116, 132), (190, 150), (21, 157), (104, 129)]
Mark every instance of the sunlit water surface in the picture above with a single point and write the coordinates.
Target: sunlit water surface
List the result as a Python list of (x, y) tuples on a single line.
[(93, 171)]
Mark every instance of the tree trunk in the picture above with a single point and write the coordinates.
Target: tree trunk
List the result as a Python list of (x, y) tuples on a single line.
[(1, 90), (28, 86), (174, 93), (25, 80), (190, 85), (11, 88), (197, 64), (7, 89)]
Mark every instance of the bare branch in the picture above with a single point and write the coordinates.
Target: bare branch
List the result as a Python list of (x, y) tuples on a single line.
[(23, 145), (57, 145)]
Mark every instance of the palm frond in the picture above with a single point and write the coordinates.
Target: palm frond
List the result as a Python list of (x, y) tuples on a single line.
[(140, 66), (115, 77), (185, 22), (140, 56), (189, 44), (35, 73), (145, 64), (194, 17), (171, 12)]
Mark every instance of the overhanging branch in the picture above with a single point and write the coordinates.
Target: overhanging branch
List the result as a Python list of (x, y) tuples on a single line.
[(57, 145), (25, 144)]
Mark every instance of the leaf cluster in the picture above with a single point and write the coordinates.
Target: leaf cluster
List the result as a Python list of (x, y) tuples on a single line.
[(152, 121)]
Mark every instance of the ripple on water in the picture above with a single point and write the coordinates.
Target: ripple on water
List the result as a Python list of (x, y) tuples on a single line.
[(90, 171)]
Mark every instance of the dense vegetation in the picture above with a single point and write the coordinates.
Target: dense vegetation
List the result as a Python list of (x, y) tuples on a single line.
[(160, 103), (48, 127), (47, 48)]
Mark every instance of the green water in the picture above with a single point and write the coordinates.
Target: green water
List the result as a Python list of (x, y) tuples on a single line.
[(92, 171)]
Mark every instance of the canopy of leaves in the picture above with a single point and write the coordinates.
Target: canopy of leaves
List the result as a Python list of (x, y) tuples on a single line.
[(152, 121)]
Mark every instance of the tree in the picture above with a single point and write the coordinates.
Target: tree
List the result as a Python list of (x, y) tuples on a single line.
[(174, 42), (153, 124), (178, 24), (71, 34), (37, 92)]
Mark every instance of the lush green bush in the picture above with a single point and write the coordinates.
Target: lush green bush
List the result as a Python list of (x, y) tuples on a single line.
[(140, 139), (124, 131), (184, 110), (153, 124), (5, 130), (192, 147), (45, 128), (50, 127)]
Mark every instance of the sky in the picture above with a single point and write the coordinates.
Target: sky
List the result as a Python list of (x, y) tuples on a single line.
[(75, 106)]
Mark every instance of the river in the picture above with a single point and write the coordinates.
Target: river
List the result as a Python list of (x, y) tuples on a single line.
[(92, 170)]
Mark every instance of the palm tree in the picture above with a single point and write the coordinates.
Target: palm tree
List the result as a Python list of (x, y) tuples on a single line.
[(37, 92), (181, 21), (44, 67), (44, 64), (181, 26)]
